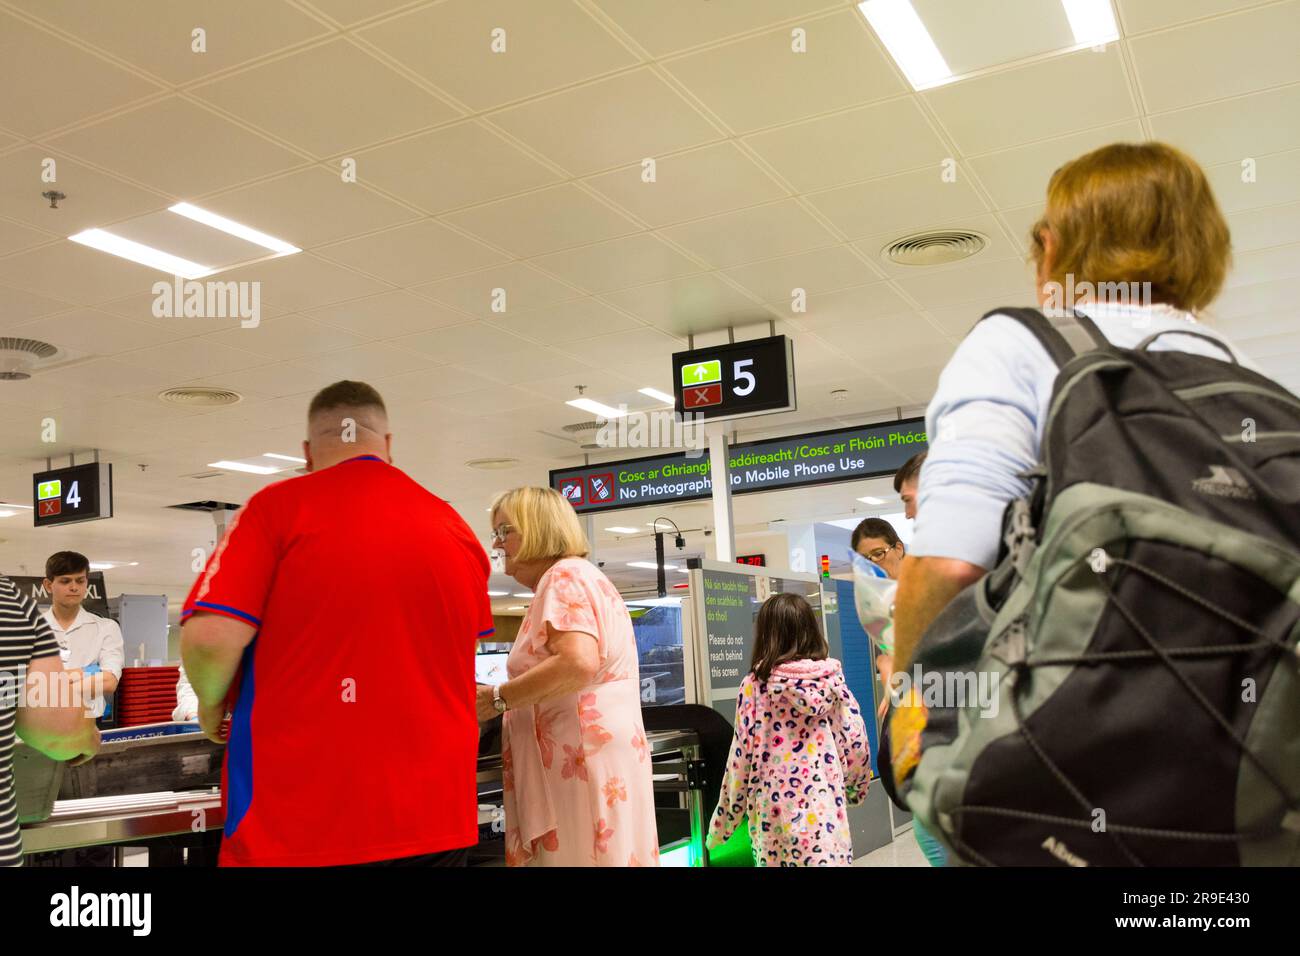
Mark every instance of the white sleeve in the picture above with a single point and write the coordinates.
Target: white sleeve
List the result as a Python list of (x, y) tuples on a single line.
[(113, 654), (187, 702)]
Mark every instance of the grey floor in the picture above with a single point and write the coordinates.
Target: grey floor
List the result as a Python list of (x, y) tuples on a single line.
[(902, 852)]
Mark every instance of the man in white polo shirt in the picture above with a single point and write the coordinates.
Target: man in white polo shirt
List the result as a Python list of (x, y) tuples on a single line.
[(87, 642)]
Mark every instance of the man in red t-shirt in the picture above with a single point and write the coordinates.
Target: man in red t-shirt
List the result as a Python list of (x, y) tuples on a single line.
[(335, 622)]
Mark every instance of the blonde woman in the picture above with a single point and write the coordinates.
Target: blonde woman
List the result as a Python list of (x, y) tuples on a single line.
[(577, 784)]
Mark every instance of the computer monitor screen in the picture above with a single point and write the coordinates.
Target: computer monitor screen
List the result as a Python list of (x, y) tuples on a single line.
[(490, 668)]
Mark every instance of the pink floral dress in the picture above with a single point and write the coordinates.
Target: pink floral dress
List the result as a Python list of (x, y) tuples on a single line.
[(576, 769)]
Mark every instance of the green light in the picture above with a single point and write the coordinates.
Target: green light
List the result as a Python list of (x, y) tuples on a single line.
[(702, 373), (49, 489)]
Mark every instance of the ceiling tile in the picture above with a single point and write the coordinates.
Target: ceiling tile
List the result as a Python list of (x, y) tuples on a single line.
[(413, 253), (86, 330), (546, 47), (157, 36), (190, 358), (17, 306), (387, 315), (619, 263), (625, 118), (1024, 104), (1264, 265), (842, 66), (1228, 130), (1252, 50), (874, 301), (459, 344), (516, 287), (177, 148), (364, 362), (302, 281), (622, 348), (969, 283), (1268, 226), (1014, 177), (825, 270), (543, 221), (897, 203), (349, 12), (1021, 220), (701, 182), (15, 237), (690, 305), (499, 398), (286, 207), (566, 322), (524, 367), (1139, 16), (1275, 298), (1257, 181), (275, 380), (61, 83), (289, 337), (761, 232), (323, 99), (77, 273), (94, 198), (857, 144), (667, 26), (408, 389), (140, 308), (457, 165)]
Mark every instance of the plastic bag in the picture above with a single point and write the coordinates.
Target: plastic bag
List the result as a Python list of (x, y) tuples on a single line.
[(873, 597)]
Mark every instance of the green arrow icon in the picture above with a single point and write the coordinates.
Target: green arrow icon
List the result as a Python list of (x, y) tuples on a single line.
[(49, 489), (700, 373)]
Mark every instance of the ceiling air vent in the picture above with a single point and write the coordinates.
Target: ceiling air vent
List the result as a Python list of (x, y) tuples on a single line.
[(493, 464), (198, 397), (584, 433), (934, 248), (207, 506), (17, 356)]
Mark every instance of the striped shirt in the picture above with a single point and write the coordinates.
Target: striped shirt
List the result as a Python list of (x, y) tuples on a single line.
[(24, 637)]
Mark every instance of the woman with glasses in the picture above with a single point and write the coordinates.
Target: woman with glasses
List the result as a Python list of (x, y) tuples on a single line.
[(576, 766), (876, 540)]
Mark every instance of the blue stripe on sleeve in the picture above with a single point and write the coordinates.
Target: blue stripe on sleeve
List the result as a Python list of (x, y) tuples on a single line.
[(234, 611)]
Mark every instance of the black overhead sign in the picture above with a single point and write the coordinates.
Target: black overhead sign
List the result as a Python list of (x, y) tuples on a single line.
[(76, 493), (820, 458), (755, 377)]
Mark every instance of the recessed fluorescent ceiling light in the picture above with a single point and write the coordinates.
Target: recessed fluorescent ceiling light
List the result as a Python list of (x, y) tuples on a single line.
[(872, 501), (908, 41), (108, 565), (240, 466), (271, 454), (659, 396), (650, 565), (523, 594), (1092, 21), (498, 594), (223, 224), (9, 511), (618, 530), (604, 411), (138, 252)]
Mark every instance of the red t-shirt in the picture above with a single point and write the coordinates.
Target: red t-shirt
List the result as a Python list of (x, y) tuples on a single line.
[(353, 736)]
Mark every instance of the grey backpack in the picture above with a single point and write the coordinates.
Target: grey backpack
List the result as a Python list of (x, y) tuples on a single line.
[(1138, 637)]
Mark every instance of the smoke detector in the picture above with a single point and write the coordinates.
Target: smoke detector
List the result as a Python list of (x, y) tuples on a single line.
[(195, 396), (18, 356), (934, 248)]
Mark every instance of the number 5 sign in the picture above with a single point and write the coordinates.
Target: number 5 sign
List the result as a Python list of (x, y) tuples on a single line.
[(736, 380)]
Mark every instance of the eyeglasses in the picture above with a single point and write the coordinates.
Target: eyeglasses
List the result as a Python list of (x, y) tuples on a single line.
[(876, 556), (501, 532)]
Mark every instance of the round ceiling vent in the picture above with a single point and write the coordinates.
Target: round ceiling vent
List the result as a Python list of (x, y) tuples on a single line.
[(934, 248), (17, 356), (493, 464), (194, 396)]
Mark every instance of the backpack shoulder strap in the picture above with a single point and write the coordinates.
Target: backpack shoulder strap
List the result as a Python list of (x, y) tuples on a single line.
[(1051, 336)]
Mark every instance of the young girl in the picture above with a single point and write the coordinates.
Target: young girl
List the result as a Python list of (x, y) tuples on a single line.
[(799, 756)]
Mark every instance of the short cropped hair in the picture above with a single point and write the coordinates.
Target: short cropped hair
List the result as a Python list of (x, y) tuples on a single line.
[(1137, 213), (546, 522), (874, 528), (345, 394), (65, 562), (911, 471)]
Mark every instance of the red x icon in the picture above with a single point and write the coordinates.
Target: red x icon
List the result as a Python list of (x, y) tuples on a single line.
[(51, 506), (697, 396)]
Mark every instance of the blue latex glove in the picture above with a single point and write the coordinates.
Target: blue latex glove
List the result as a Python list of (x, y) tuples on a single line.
[(90, 669)]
